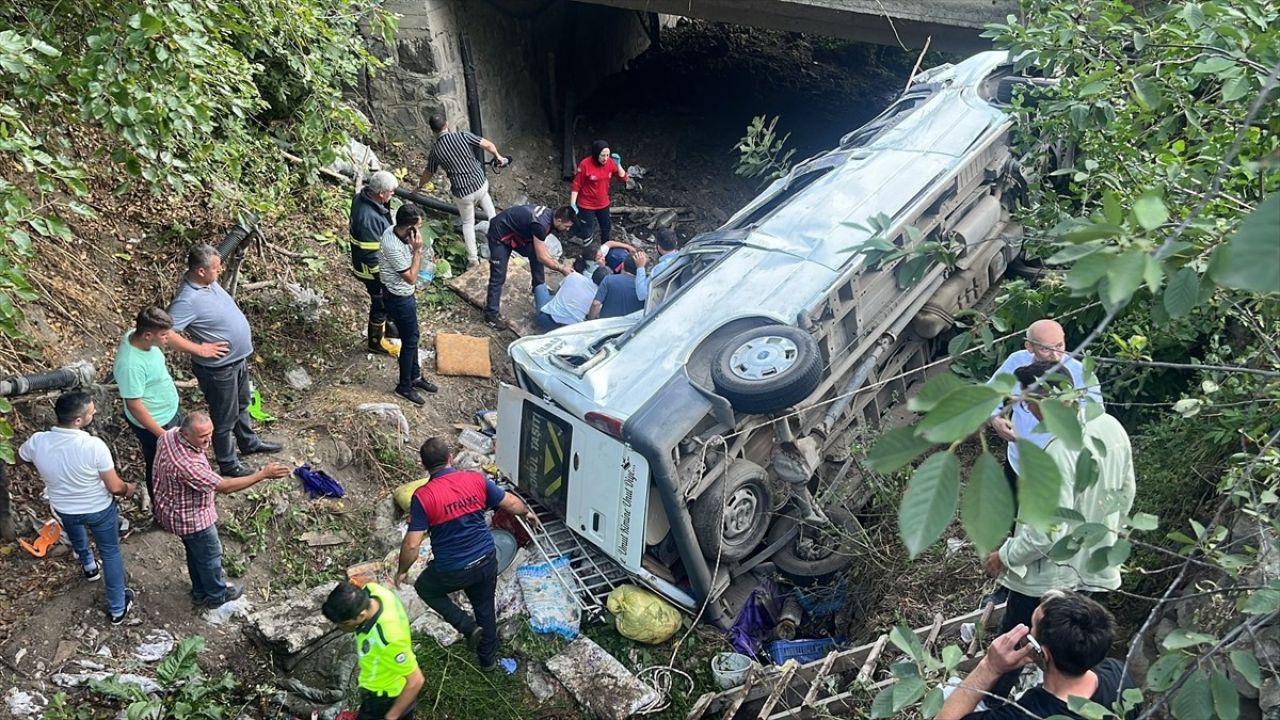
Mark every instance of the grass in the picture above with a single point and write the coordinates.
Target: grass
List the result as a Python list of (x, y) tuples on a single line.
[(457, 689)]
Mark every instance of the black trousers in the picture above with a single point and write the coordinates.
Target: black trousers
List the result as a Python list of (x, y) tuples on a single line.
[(479, 581), (148, 443), (499, 256), (226, 389), (375, 707), (377, 310), (403, 311), (584, 226)]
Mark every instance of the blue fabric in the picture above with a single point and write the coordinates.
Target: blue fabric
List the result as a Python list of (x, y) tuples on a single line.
[(614, 259), (542, 296), (644, 276), (318, 484), (105, 526), (204, 566), (617, 296), (457, 538)]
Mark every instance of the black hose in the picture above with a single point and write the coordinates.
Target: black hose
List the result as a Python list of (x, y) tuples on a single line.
[(237, 235), (472, 90), (35, 382)]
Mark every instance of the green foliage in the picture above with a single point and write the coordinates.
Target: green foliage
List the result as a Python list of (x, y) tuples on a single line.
[(178, 94), (761, 152), (191, 695), (60, 708), (1169, 220)]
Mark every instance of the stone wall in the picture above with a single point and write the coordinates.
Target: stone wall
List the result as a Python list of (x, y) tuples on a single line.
[(524, 52)]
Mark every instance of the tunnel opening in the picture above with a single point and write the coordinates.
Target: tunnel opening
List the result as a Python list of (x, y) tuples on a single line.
[(679, 109)]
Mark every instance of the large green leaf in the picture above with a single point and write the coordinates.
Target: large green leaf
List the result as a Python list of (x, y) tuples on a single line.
[(1125, 275), (961, 412), (1149, 211), (1166, 670), (1251, 258), (986, 512), (1181, 638), (907, 641), (933, 392), (1182, 293), (896, 448), (1247, 665), (1261, 602), (882, 706), (1063, 422), (1226, 701), (907, 691), (1194, 700), (1039, 483), (929, 502)]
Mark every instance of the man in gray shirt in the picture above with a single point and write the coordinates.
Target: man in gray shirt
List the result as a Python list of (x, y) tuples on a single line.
[(399, 259), (211, 329)]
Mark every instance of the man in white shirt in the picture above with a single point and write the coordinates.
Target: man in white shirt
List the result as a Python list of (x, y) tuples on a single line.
[(80, 479), (668, 244), (1046, 342), (572, 301)]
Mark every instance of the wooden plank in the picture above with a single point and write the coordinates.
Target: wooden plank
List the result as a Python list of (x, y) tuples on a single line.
[(700, 708), (853, 658), (984, 621), (816, 681), (743, 692), (517, 308), (781, 684), (933, 634), (869, 666)]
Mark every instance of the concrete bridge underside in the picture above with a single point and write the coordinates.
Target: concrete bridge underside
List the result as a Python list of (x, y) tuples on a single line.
[(954, 25)]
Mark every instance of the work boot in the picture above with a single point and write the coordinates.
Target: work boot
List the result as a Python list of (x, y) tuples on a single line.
[(378, 342)]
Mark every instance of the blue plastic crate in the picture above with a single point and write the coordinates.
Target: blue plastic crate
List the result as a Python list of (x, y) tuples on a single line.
[(802, 651)]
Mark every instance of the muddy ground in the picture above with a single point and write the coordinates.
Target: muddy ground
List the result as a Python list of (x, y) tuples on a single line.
[(678, 112)]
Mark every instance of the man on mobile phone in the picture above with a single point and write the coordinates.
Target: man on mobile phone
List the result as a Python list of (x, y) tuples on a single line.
[(399, 259), (1069, 637)]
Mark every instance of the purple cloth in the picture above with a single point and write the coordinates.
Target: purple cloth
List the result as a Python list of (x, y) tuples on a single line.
[(318, 484), (755, 623)]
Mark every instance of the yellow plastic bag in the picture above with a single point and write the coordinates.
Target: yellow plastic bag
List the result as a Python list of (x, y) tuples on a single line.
[(643, 616), (404, 493)]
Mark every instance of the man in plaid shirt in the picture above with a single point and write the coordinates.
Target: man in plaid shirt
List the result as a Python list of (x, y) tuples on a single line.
[(185, 485)]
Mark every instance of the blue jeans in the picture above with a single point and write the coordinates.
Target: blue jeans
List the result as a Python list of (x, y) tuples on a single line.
[(105, 526), (542, 296), (402, 311), (204, 565)]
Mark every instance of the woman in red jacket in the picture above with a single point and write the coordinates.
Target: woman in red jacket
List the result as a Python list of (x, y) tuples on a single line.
[(589, 194)]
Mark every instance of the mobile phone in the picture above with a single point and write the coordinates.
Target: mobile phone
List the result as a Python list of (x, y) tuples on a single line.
[(1035, 646)]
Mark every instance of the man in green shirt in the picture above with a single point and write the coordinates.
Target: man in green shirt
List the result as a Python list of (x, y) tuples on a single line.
[(150, 397), (389, 675)]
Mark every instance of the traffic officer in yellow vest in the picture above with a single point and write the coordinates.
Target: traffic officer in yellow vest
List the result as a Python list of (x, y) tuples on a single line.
[(370, 218), (389, 675)]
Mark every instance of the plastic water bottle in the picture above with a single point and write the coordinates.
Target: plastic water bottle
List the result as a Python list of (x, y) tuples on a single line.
[(426, 274)]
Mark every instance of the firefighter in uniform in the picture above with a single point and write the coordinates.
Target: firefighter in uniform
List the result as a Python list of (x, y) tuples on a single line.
[(370, 218), (390, 678)]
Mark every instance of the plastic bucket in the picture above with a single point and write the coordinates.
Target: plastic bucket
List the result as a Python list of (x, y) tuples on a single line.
[(730, 669)]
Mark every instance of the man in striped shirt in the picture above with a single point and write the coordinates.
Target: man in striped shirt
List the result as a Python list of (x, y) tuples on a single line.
[(454, 150), (185, 486)]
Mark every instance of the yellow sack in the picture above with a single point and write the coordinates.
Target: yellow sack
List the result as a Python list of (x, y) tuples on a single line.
[(643, 616), (404, 493)]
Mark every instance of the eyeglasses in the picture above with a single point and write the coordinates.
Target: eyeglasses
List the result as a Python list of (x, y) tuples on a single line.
[(1059, 347)]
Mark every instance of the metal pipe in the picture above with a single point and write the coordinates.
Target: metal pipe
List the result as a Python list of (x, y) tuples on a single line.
[(859, 377), (472, 89), (78, 374)]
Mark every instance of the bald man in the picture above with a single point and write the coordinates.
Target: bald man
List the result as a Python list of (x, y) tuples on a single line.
[(1045, 342), (185, 487)]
